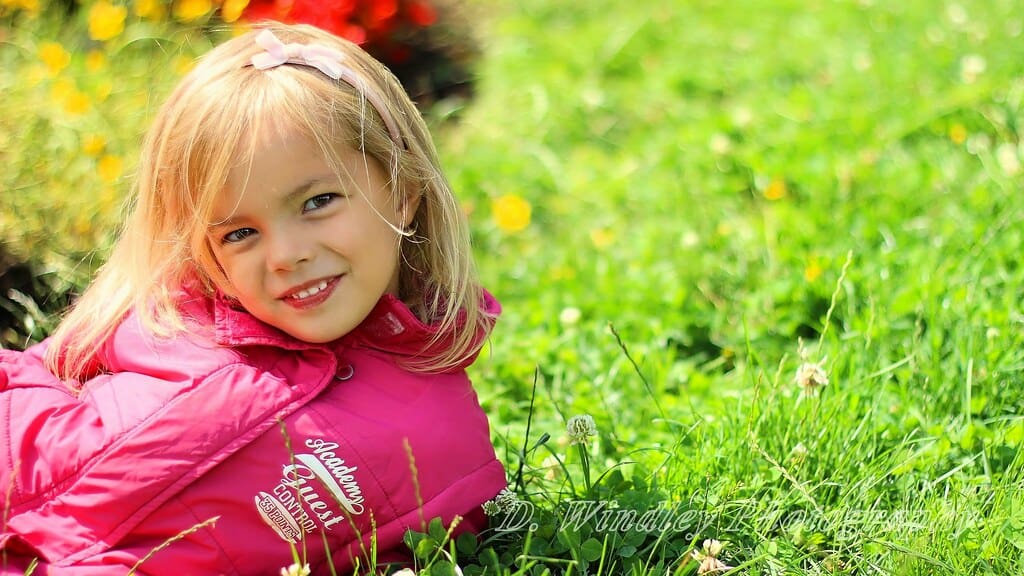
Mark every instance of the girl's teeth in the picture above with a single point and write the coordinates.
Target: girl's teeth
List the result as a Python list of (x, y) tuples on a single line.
[(310, 291)]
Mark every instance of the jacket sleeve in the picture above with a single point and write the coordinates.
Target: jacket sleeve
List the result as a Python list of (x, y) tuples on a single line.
[(41, 419), (82, 470)]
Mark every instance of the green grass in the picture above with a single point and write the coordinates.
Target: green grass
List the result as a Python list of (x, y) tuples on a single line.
[(701, 174)]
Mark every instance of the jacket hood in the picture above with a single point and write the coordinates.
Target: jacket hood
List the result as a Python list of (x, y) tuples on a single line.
[(391, 327)]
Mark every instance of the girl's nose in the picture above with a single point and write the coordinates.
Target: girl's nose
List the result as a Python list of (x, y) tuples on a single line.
[(287, 250)]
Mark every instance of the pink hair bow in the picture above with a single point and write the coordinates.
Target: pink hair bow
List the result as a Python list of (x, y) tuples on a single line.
[(325, 59)]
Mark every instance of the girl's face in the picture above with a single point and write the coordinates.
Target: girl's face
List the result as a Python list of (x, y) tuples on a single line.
[(302, 251)]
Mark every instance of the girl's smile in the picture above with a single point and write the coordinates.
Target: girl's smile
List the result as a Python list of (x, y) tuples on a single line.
[(311, 294)]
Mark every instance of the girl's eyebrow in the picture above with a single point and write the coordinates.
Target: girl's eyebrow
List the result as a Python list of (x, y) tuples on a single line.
[(299, 190), (307, 185)]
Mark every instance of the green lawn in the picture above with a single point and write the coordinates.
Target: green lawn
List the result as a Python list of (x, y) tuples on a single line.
[(721, 193)]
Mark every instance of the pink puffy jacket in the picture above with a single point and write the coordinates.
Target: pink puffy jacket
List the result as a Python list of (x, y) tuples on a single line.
[(220, 454)]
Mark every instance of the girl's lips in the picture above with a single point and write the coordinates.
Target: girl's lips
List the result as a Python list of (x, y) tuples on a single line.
[(313, 300)]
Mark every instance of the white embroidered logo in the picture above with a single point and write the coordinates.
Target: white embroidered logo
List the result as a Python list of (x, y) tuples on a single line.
[(296, 506)]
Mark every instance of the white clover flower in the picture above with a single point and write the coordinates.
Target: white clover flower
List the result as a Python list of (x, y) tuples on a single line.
[(296, 570), (720, 143), (971, 67), (812, 375), (404, 572), (1009, 158), (570, 315), (708, 557), (491, 508), (580, 429), (506, 500), (798, 454)]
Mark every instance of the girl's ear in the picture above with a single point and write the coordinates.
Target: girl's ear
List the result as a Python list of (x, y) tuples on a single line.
[(407, 209)]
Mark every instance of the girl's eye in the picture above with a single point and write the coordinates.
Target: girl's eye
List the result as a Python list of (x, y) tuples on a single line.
[(318, 201), (238, 235)]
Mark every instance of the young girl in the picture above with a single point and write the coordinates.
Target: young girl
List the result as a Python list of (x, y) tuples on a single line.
[(272, 360)]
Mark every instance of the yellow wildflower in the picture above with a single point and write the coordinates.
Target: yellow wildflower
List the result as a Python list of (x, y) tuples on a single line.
[(189, 10), (61, 88), (149, 9), (70, 97), (108, 200), (54, 56), (239, 27), (35, 74), (602, 237), (103, 89), (95, 61), (93, 144), (776, 189), (83, 224), (109, 168), (958, 133), (231, 10), (812, 271), (77, 103), (31, 7), (106, 21), (182, 64), (511, 212)]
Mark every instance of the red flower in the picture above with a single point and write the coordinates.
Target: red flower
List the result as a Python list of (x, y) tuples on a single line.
[(377, 25), (421, 13)]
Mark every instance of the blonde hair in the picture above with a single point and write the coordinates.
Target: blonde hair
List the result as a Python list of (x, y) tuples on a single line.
[(204, 128)]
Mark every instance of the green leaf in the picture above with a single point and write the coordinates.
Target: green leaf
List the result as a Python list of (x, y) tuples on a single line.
[(1013, 527), (437, 530), (489, 558), (412, 539), (591, 549), (425, 548), (442, 568), (569, 538), (466, 543)]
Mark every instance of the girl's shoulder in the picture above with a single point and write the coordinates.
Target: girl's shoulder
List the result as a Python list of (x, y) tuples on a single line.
[(136, 346)]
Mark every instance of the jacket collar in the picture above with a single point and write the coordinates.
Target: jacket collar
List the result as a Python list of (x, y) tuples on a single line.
[(390, 327)]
